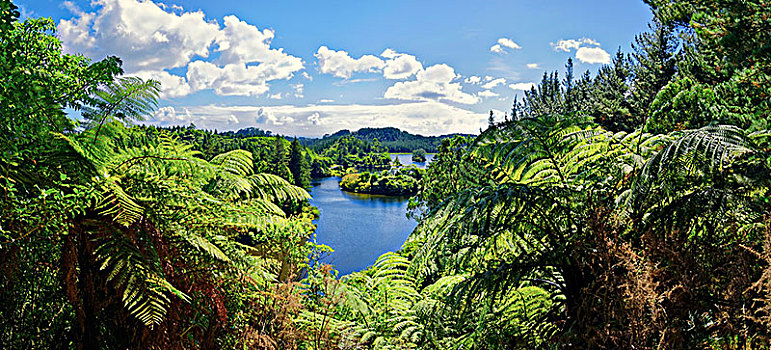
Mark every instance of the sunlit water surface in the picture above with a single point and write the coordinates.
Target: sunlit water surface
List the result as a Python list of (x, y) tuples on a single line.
[(360, 227)]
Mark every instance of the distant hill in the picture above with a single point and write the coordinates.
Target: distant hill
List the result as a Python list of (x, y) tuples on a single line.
[(394, 139)]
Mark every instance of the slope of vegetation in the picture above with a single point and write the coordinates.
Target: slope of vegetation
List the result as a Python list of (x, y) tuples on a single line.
[(112, 239), (623, 210), (350, 152), (629, 209), (393, 139), (398, 182)]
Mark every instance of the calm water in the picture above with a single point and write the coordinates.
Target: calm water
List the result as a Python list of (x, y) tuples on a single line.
[(406, 159), (360, 227)]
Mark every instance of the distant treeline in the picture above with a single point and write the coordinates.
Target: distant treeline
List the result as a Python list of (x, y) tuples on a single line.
[(393, 139)]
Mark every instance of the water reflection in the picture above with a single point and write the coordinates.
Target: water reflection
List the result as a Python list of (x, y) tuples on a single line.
[(360, 227)]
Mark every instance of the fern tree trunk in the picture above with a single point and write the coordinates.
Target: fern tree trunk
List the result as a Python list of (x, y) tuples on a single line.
[(576, 281), (79, 278)]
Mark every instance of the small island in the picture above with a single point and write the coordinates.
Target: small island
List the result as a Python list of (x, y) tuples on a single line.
[(395, 182), (419, 155)]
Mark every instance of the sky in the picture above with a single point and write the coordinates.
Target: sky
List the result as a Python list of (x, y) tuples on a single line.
[(309, 68)]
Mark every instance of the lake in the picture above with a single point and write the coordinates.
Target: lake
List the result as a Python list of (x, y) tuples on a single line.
[(360, 227), (406, 159)]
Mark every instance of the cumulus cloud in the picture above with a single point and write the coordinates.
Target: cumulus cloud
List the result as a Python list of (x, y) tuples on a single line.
[(400, 65), (233, 79), (151, 39), (473, 80), (487, 93), (432, 84), (142, 33), (504, 43), (493, 83), (315, 118), (587, 50), (521, 86), (298, 89), (342, 65), (171, 85), (592, 55), (573, 44), (424, 117), (533, 66)]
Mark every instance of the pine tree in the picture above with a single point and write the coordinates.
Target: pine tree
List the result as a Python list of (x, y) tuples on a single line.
[(569, 104), (299, 166), (656, 61), (611, 106), (280, 161)]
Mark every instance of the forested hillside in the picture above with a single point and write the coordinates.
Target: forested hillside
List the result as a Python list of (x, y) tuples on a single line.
[(393, 139), (624, 209)]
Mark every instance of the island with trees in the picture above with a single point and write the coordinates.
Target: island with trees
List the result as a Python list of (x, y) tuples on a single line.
[(403, 181), (419, 155)]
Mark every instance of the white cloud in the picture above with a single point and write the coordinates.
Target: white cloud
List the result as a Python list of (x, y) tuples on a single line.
[(493, 83), (573, 44), (521, 86), (262, 116), (342, 65), (587, 50), (235, 79), (504, 43), (298, 89), (400, 65), (276, 96), (487, 93), (315, 118), (533, 66), (144, 35), (592, 55), (488, 78), (473, 80), (171, 85), (150, 40), (432, 84), (239, 41), (426, 118), (496, 48)]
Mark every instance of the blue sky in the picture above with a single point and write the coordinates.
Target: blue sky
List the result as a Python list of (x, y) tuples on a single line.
[(307, 68)]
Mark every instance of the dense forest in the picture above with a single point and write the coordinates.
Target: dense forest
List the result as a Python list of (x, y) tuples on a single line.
[(393, 139), (400, 181), (626, 208)]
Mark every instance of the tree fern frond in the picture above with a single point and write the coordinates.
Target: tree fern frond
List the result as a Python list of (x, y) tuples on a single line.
[(118, 204), (144, 288)]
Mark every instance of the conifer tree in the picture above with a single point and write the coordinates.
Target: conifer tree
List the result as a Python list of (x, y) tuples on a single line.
[(655, 64), (280, 165), (299, 166), (611, 107)]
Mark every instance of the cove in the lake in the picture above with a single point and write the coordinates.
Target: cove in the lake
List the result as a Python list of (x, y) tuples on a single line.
[(360, 227)]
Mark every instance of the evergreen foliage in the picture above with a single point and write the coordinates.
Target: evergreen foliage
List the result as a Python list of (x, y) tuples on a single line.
[(419, 155), (393, 139), (299, 166), (626, 209)]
